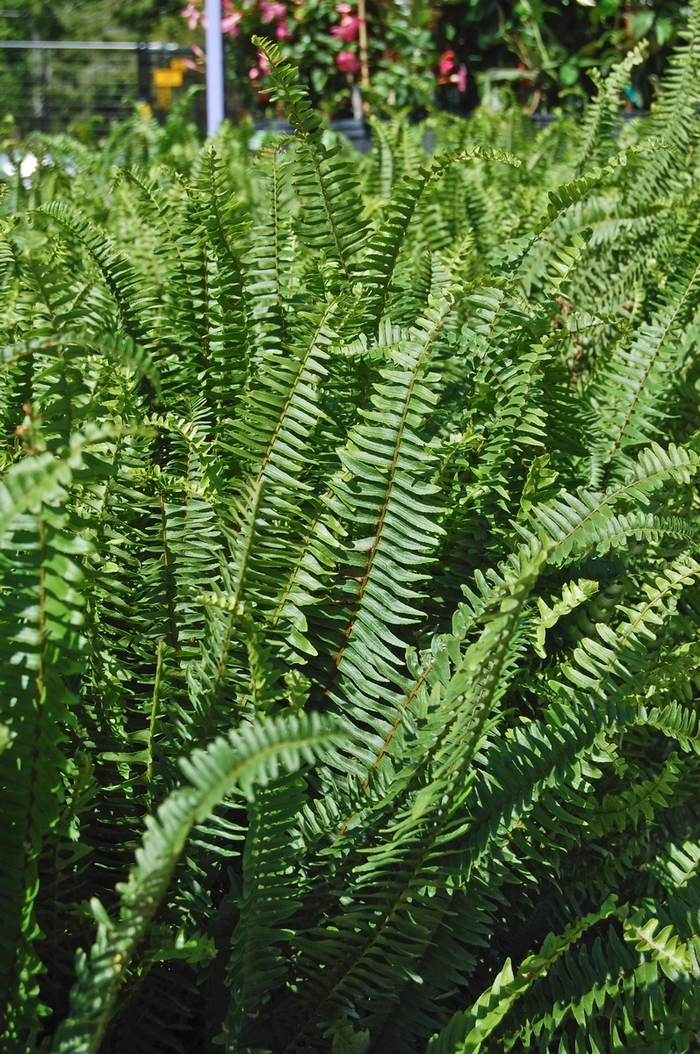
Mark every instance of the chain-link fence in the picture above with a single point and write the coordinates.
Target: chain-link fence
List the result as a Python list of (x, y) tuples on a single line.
[(53, 86)]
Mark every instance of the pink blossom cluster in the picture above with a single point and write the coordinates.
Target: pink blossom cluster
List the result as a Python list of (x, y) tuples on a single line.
[(346, 31), (194, 16), (349, 24), (274, 11), (229, 23), (347, 62), (450, 73)]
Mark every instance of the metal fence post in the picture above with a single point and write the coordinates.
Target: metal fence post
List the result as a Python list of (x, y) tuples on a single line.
[(143, 72)]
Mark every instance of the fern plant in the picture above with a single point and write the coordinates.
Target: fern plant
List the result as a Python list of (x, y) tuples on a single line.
[(350, 599)]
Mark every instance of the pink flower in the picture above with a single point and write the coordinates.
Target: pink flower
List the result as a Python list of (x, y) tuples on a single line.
[(192, 15), (253, 73), (460, 78), (347, 62), (282, 31), (344, 9), (263, 62), (347, 30), (272, 10), (229, 24), (446, 62)]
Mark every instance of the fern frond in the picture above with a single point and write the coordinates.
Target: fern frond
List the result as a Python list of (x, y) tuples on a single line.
[(379, 262), (249, 757), (597, 129), (332, 221), (120, 277), (467, 1031), (628, 393), (43, 644)]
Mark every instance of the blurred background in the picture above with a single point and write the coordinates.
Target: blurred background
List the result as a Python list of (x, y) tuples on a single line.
[(79, 65)]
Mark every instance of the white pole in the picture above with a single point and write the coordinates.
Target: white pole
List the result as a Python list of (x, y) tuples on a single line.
[(215, 66)]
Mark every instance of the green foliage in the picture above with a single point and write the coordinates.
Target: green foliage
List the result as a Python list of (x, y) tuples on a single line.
[(560, 48), (349, 586)]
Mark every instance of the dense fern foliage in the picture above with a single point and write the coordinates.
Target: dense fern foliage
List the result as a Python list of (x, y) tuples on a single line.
[(350, 604)]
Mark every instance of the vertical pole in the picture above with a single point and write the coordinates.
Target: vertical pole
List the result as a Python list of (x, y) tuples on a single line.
[(362, 35), (215, 66), (143, 71)]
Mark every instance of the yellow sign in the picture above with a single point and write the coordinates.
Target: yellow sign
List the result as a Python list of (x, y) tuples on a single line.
[(165, 79)]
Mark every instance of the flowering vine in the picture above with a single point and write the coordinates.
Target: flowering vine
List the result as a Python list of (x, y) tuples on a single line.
[(270, 11), (333, 46)]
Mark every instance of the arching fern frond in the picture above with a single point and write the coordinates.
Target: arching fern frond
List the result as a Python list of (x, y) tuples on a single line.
[(245, 759)]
